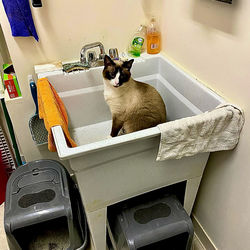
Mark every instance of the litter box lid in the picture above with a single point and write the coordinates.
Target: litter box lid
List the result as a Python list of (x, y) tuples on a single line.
[(37, 187), (36, 172), (34, 176)]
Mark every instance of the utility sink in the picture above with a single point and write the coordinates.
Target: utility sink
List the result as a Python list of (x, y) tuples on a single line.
[(115, 169), (89, 115)]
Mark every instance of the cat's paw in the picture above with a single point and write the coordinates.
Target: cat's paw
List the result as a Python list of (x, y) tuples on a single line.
[(108, 137)]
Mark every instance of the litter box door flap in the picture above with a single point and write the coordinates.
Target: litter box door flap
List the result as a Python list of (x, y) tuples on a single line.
[(33, 177)]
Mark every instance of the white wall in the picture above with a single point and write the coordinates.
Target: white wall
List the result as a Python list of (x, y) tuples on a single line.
[(212, 41), (4, 58), (63, 28), (4, 53)]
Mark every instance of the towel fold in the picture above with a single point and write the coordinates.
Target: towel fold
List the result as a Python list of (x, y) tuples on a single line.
[(211, 131), (52, 111), (20, 18)]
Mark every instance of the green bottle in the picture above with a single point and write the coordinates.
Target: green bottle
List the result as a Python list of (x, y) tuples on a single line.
[(137, 45)]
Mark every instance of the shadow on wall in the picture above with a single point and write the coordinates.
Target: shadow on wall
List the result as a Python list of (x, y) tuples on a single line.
[(4, 52), (152, 8), (217, 15)]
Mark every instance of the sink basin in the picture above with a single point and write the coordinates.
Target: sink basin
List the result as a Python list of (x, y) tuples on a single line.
[(82, 94), (115, 169), (97, 63)]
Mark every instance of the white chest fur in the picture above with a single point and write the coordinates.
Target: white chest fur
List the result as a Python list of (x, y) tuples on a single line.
[(116, 98)]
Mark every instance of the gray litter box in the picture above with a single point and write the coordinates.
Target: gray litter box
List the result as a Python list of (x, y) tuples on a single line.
[(162, 224), (43, 209)]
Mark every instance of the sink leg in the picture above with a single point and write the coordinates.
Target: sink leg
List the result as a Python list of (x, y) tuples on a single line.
[(190, 194), (97, 227)]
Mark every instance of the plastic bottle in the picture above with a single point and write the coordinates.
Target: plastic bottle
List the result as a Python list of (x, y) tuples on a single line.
[(137, 45), (153, 37)]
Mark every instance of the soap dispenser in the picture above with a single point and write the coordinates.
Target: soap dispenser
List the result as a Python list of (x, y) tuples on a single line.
[(153, 37), (137, 45)]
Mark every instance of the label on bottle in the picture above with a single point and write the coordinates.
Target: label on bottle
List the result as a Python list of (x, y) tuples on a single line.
[(11, 88), (154, 46), (138, 41), (136, 46)]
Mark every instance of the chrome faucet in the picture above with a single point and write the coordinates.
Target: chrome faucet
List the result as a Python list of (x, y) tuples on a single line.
[(84, 59)]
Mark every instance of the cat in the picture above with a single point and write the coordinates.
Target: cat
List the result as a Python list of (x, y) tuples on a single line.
[(134, 105)]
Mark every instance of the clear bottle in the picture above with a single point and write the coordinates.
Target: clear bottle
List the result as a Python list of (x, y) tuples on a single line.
[(153, 37), (137, 46)]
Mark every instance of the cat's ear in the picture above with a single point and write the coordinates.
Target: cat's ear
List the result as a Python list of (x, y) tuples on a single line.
[(108, 61), (128, 64)]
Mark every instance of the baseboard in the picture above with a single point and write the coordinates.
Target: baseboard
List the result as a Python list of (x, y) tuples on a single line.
[(202, 235), (196, 244)]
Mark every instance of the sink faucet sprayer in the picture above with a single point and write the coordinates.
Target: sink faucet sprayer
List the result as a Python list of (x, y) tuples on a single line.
[(83, 58)]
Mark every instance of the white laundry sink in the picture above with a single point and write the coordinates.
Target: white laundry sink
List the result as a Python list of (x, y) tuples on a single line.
[(111, 170)]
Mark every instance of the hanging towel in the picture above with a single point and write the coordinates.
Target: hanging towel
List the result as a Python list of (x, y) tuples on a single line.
[(52, 111), (211, 131), (20, 18)]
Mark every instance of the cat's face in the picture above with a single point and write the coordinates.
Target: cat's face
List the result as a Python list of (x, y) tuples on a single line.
[(116, 72)]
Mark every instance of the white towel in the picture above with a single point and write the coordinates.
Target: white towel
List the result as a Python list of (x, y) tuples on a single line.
[(211, 131)]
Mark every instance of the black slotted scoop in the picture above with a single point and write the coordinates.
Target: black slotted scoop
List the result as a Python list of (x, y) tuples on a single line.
[(37, 129)]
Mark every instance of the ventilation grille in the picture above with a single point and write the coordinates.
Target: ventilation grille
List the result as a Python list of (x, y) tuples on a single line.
[(7, 157)]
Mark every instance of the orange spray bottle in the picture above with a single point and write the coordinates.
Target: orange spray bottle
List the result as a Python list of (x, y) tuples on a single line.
[(153, 37)]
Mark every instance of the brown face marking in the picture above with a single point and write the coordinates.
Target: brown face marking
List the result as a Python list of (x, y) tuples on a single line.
[(111, 69), (110, 72)]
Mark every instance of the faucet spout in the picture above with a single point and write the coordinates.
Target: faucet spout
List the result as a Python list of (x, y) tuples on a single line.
[(83, 58)]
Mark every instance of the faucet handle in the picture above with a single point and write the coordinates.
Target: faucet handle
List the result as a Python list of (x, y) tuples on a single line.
[(91, 56), (101, 56), (113, 53)]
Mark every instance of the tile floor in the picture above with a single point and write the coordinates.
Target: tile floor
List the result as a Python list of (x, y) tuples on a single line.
[(4, 246)]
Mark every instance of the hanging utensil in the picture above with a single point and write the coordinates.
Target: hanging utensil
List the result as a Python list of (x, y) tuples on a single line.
[(36, 125)]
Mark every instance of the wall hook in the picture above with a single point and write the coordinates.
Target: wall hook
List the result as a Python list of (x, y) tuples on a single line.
[(37, 3)]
